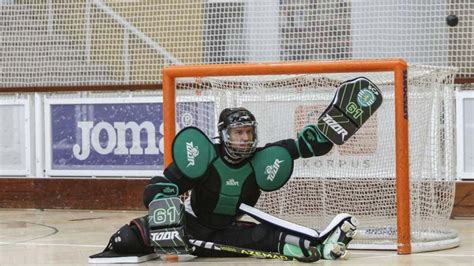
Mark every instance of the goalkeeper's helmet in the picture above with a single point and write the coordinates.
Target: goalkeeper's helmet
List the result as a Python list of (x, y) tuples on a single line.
[(230, 120)]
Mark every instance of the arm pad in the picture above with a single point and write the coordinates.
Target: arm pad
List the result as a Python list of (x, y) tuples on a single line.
[(311, 142)]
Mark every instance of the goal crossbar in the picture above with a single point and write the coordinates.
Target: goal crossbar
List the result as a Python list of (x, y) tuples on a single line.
[(397, 66)]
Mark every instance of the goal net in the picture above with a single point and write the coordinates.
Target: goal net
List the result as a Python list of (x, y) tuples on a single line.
[(358, 177)]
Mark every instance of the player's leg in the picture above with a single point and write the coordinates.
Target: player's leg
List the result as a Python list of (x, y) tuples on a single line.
[(161, 232), (228, 236), (337, 236), (166, 220), (332, 242), (130, 244), (253, 237)]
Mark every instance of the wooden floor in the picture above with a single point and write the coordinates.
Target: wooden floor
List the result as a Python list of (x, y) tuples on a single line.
[(58, 237)]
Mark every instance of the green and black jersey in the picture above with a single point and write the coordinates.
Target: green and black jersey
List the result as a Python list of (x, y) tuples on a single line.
[(220, 187)]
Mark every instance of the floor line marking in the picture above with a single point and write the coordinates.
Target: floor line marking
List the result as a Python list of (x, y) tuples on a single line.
[(415, 254), (51, 244)]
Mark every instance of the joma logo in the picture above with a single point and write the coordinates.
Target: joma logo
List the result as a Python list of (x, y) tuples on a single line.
[(116, 139), (192, 152), (335, 126), (272, 170)]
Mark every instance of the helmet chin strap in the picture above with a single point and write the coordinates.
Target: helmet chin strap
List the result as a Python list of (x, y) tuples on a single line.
[(230, 158)]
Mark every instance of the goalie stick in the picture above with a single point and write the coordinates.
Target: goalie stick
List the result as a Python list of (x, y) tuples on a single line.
[(246, 251)]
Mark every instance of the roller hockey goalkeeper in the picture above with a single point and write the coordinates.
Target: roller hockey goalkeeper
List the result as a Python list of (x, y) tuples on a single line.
[(226, 179), (353, 104)]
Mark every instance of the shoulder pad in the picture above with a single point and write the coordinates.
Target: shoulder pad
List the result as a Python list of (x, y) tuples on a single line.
[(273, 167), (192, 152)]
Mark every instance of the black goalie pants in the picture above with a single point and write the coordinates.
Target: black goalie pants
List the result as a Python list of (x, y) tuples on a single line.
[(261, 237)]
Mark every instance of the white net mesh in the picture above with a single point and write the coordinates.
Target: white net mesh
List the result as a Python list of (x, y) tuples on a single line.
[(358, 177), (66, 42)]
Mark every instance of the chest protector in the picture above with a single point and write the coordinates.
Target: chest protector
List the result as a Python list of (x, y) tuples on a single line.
[(193, 153)]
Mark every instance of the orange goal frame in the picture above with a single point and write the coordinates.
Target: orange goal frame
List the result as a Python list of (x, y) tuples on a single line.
[(398, 66)]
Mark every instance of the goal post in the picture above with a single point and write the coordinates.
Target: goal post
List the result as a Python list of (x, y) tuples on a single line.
[(245, 74)]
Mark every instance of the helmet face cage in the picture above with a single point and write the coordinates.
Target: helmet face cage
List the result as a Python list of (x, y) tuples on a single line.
[(237, 118)]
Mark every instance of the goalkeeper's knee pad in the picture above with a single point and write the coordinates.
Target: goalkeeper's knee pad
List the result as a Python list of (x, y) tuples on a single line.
[(167, 226)]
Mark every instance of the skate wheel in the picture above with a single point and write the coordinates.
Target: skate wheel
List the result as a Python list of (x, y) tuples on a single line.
[(345, 256), (354, 221)]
